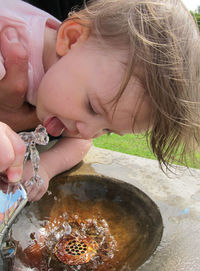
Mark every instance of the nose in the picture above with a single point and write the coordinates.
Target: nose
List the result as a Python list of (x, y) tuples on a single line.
[(90, 130)]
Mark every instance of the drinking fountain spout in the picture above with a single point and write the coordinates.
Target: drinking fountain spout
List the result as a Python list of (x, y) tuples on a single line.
[(13, 198)]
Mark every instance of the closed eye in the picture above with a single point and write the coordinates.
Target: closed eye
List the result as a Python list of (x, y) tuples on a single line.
[(91, 108)]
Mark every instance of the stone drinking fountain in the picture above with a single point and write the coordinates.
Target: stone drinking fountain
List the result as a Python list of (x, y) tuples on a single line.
[(105, 214), (87, 222)]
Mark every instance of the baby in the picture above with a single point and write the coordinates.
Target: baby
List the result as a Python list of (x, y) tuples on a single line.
[(124, 66)]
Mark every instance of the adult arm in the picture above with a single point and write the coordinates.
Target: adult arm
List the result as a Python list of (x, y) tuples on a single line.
[(14, 111)]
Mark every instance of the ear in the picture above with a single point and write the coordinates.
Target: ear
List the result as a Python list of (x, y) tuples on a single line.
[(71, 32)]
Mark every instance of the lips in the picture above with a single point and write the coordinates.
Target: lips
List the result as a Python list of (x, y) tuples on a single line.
[(54, 126)]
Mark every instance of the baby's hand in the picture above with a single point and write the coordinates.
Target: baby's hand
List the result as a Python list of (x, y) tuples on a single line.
[(12, 150), (35, 190)]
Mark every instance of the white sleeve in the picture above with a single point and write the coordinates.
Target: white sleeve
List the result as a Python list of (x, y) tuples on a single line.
[(2, 68)]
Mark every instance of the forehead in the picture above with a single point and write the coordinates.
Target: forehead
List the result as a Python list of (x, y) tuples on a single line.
[(110, 75), (120, 112), (133, 106), (109, 66)]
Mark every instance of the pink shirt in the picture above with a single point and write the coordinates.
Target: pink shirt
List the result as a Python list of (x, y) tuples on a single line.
[(30, 23)]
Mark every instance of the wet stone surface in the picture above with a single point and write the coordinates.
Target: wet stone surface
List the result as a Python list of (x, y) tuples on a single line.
[(177, 196)]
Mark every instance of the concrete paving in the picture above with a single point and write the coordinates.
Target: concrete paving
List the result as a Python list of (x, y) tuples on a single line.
[(177, 196)]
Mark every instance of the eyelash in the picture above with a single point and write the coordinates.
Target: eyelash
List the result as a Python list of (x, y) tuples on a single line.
[(108, 132)]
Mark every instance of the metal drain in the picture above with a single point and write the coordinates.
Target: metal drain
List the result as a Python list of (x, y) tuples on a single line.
[(76, 248), (73, 250)]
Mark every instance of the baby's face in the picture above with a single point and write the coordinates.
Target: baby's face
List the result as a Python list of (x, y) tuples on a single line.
[(76, 92)]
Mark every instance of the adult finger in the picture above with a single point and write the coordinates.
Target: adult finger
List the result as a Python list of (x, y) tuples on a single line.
[(15, 167)]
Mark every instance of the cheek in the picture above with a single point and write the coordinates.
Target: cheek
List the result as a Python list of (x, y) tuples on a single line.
[(52, 87), (56, 77)]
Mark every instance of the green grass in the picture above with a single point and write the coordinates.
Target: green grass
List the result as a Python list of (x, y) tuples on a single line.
[(131, 144)]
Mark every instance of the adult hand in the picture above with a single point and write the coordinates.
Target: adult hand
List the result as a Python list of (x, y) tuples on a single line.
[(14, 111), (12, 151)]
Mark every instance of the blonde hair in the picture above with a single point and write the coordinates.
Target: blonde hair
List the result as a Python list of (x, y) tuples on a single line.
[(162, 38)]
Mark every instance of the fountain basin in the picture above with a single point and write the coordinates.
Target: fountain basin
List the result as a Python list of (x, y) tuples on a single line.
[(123, 224)]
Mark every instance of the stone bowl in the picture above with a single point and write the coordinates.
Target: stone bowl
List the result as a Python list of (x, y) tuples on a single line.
[(119, 224)]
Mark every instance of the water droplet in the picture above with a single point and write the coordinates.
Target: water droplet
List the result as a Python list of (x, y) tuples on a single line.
[(174, 219)]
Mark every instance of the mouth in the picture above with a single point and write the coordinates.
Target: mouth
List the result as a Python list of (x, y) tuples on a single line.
[(54, 126)]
